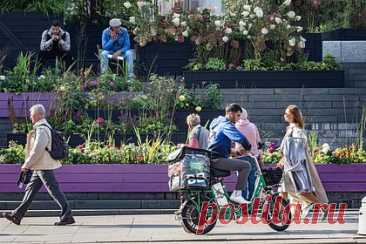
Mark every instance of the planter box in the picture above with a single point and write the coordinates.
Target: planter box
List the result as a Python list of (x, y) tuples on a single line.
[(345, 34), (313, 46), (265, 79), (22, 102), (154, 178), (163, 58)]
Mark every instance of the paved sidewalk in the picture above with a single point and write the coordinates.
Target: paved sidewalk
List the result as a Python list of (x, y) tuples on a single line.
[(165, 229)]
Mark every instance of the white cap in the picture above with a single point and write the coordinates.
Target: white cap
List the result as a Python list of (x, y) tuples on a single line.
[(115, 23)]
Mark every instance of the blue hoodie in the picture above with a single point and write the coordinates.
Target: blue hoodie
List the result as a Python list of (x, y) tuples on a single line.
[(222, 133), (122, 42)]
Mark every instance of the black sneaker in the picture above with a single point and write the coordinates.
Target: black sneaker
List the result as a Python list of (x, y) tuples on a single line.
[(12, 218), (68, 221)]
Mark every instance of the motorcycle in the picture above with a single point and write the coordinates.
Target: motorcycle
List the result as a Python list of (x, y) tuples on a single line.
[(263, 200)]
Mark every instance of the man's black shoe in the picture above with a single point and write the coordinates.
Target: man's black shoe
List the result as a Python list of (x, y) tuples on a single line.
[(12, 218), (68, 221)]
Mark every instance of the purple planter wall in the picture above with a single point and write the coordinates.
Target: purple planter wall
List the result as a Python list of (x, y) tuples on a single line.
[(23, 101), (154, 178)]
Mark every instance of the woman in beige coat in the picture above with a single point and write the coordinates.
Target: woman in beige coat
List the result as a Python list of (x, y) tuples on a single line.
[(301, 180)]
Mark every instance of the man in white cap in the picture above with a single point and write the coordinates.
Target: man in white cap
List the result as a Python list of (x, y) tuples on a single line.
[(116, 43)]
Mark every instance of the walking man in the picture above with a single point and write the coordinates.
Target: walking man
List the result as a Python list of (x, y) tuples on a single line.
[(39, 160)]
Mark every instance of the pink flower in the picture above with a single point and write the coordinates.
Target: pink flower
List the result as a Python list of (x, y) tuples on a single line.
[(99, 121), (180, 39)]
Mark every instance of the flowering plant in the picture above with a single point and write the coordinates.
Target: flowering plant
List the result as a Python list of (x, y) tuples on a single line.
[(272, 154), (341, 155)]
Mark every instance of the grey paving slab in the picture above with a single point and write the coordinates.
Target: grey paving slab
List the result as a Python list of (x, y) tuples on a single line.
[(165, 229)]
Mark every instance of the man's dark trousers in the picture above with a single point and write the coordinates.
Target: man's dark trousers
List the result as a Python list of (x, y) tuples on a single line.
[(46, 178)]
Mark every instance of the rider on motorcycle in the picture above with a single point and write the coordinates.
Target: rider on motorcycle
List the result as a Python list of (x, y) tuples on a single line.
[(222, 133)]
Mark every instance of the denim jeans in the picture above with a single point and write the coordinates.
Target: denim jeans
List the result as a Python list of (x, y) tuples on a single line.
[(128, 58), (46, 178), (249, 188)]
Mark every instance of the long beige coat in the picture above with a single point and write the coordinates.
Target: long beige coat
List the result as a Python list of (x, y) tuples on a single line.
[(288, 185), (36, 156)]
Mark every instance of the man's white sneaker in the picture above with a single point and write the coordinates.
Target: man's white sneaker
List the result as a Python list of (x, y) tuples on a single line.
[(238, 198)]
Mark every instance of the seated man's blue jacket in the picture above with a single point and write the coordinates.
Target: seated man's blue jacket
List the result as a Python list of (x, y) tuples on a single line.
[(222, 133), (121, 43)]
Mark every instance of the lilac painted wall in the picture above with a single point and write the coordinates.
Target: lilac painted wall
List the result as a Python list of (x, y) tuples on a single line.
[(153, 178)]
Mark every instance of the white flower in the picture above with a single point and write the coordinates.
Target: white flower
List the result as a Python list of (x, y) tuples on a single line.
[(2, 77), (232, 14), (182, 98), (175, 15), (132, 20), (325, 148), (153, 32), (286, 3), (217, 23), (176, 21), (185, 33), (242, 23), (299, 28), (247, 7), (198, 109), (245, 13), (278, 20), (301, 44), (291, 14), (292, 42), (127, 5), (184, 24), (140, 4), (272, 27), (264, 31), (41, 77), (62, 88), (135, 31), (298, 18), (225, 39), (249, 36), (245, 32), (288, 26), (228, 30), (258, 11)]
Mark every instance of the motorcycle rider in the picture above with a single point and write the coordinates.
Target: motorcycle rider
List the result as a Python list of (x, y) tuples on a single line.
[(222, 133)]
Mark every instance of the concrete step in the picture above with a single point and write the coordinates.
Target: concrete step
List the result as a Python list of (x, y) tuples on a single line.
[(351, 215), (97, 204), (97, 212)]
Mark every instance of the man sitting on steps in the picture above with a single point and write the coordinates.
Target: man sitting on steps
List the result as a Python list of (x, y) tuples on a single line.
[(55, 43), (116, 44)]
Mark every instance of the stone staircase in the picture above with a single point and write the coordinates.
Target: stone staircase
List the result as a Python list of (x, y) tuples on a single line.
[(334, 113)]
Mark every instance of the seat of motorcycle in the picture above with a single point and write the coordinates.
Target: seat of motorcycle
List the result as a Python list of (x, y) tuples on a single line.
[(219, 173)]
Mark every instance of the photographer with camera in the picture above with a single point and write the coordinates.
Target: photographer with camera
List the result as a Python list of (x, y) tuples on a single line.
[(55, 43)]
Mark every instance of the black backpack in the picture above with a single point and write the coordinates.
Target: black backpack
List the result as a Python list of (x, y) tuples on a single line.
[(59, 148)]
